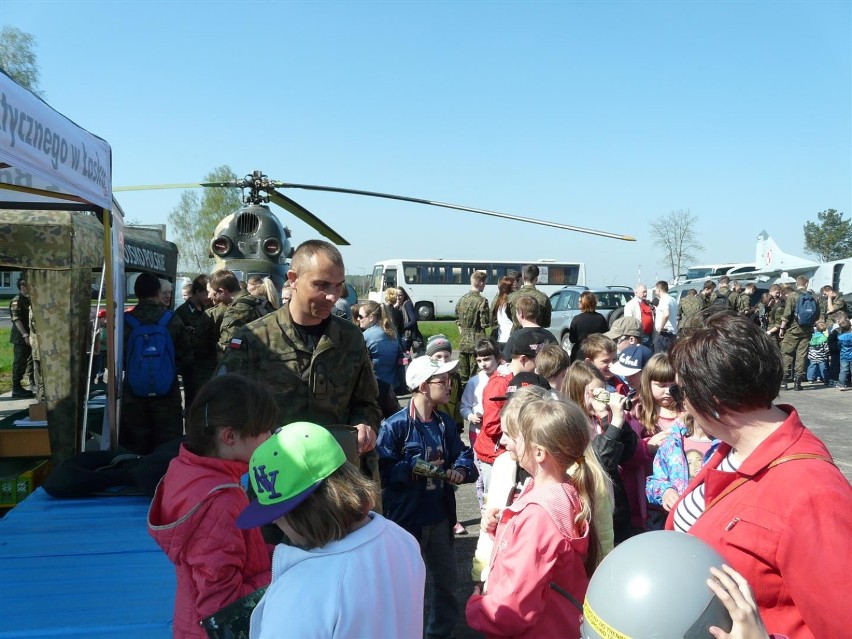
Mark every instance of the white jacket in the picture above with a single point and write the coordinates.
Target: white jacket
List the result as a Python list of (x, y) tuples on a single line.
[(368, 584)]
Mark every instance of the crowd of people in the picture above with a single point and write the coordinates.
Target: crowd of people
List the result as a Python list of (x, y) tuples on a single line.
[(664, 420)]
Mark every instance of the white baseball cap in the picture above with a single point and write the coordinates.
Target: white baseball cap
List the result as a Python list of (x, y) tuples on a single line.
[(424, 368)]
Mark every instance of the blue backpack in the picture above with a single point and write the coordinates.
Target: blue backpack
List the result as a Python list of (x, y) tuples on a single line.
[(807, 309), (150, 369)]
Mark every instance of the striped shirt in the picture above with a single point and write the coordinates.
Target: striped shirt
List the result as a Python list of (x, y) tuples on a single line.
[(692, 505)]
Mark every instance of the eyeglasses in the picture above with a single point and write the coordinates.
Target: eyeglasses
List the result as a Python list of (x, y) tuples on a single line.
[(362, 316), (440, 382), (678, 393)]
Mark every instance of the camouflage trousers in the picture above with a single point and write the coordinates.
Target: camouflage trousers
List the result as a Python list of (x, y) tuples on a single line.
[(794, 350), (22, 365), (467, 366)]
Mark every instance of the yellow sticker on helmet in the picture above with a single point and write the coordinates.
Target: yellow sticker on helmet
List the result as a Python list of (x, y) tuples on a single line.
[(599, 625)]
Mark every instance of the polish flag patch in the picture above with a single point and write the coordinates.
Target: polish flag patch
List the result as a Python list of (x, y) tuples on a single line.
[(235, 343)]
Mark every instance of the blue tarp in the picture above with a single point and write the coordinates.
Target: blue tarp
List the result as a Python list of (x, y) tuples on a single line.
[(83, 568)]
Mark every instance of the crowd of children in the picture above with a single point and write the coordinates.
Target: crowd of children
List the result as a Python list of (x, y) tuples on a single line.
[(568, 460)]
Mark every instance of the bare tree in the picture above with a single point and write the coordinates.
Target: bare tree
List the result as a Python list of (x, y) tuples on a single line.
[(675, 234)]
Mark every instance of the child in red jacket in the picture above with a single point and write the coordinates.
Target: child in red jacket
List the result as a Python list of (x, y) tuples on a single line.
[(547, 535), (194, 511)]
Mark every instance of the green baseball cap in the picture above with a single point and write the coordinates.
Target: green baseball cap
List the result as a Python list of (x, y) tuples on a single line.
[(287, 468)]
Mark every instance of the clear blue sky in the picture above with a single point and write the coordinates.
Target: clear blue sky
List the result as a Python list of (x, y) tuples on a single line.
[(597, 114)]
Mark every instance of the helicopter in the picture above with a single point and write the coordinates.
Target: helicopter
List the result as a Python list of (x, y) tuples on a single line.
[(252, 240)]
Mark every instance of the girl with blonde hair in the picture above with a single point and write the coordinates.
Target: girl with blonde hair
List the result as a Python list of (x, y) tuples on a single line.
[(547, 535)]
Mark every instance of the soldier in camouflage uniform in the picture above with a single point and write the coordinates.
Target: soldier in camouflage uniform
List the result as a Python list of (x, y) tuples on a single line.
[(37, 375), (216, 313), (688, 307), (147, 422), (708, 293), (473, 318), (744, 306), (530, 279), (795, 338), (241, 306), (22, 363), (317, 364), (831, 303), (202, 337)]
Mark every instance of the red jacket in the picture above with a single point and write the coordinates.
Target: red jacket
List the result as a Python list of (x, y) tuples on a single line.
[(193, 519), (487, 445), (536, 542), (787, 532)]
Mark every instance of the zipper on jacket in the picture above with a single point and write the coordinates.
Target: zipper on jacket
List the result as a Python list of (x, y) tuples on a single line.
[(731, 524)]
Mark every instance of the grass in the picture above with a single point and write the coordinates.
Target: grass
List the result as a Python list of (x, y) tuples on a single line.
[(439, 327), (5, 361)]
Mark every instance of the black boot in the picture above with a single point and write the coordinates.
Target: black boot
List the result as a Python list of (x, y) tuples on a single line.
[(20, 392), (798, 385)]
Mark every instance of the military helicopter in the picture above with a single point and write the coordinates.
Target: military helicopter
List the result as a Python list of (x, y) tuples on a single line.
[(252, 241)]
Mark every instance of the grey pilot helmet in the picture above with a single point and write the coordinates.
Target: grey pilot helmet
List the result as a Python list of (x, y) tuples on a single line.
[(624, 594)]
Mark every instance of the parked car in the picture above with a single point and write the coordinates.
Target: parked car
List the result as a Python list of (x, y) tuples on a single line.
[(566, 305)]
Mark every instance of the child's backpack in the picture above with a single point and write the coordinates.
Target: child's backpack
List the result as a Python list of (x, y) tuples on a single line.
[(150, 369), (807, 309)]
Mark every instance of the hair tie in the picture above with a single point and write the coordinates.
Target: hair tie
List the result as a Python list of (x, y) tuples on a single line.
[(579, 461)]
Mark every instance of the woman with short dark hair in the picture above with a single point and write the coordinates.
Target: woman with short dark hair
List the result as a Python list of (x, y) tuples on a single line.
[(588, 322), (770, 499)]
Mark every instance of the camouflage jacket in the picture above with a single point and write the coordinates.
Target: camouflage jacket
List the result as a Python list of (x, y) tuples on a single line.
[(216, 313), (839, 305), (473, 318), (743, 303), (19, 309), (689, 307), (243, 309), (543, 302), (789, 314), (201, 331), (775, 314), (333, 384)]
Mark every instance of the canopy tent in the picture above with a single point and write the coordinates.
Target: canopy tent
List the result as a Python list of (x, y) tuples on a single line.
[(51, 170)]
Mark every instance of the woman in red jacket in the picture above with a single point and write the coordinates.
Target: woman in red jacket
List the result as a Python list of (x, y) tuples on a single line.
[(770, 500), (193, 515)]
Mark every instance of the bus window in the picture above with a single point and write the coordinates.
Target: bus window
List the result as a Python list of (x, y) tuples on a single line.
[(390, 278), (456, 273), (562, 275), (410, 273)]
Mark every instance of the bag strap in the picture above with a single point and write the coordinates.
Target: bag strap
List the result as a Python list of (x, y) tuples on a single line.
[(165, 318), (131, 320), (781, 460)]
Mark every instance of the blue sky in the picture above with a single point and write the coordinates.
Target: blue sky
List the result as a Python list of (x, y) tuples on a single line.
[(597, 114)]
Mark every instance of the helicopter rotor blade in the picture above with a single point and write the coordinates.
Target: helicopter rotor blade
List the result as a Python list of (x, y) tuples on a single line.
[(458, 207), (306, 216), (154, 187)]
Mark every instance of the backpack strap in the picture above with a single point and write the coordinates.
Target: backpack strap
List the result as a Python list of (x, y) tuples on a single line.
[(165, 318), (781, 460), (128, 317)]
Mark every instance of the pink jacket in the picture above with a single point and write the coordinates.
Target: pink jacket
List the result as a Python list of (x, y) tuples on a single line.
[(537, 542), (787, 531), (193, 519)]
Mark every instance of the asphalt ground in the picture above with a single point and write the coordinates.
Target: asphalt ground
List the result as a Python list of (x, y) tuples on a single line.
[(826, 411)]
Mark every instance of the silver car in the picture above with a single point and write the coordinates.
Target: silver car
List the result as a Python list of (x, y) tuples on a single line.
[(566, 305)]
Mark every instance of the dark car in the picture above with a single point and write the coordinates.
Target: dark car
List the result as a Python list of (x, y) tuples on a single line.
[(566, 305)]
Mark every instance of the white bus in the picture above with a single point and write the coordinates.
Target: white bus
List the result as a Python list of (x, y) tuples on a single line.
[(435, 285)]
